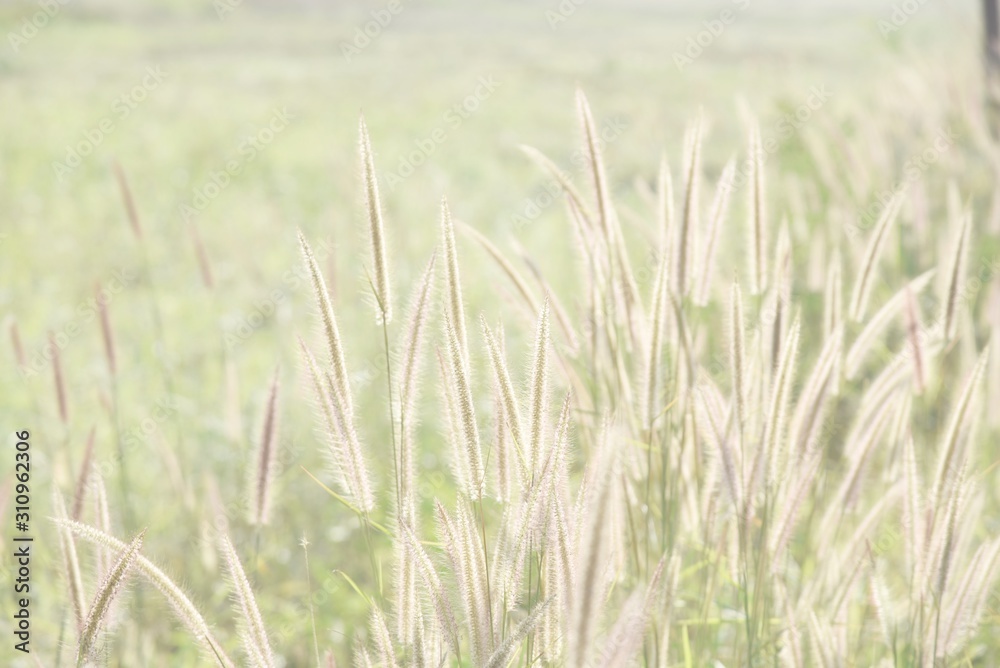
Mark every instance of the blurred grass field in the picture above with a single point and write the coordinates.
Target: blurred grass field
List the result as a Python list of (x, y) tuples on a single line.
[(65, 231)]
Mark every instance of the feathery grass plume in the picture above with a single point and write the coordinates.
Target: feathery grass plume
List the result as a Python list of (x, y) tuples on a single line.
[(614, 241), (913, 329), (810, 409), (501, 436), (342, 389), (790, 653), (671, 582), (383, 293), (968, 612), (255, 639), (107, 337), (348, 458), (710, 423), (106, 594), (737, 357), (859, 454), (130, 210), (204, 264), (949, 315), (683, 342), (625, 638), (83, 476), (512, 413), (362, 659), (962, 600), (453, 281), (561, 454), (469, 432), (184, 609), (833, 296), (945, 539), (789, 508), (822, 642), (267, 454), (337, 404), (538, 398), (416, 325), (592, 146), (684, 245), (383, 641), (501, 556), (894, 375), (854, 551), (774, 431), (757, 221), (561, 178), (502, 655), (102, 517), (664, 204), (993, 382), (405, 589), (558, 501), (588, 589), (471, 556), (434, 590), (60, 382), (873, 252), (459, 460), (717, 215), (781, 293), (876, 325), (425, 645), (950, 452), (461, 563), (518, 547), (883, 607), (501, 441), (562, 548), (913, 515), (71, 564), (654, 354)]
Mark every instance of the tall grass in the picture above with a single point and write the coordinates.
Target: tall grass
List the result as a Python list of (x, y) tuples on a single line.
[(673, 473)]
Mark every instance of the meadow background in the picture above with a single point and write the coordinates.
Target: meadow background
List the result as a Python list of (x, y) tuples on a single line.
[(173, 90)]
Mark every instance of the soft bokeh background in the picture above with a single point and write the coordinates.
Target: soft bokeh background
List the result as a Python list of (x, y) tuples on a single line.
[(208, 353)]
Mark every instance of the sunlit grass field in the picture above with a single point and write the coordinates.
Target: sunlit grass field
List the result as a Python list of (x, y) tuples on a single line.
[(235, 132)]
